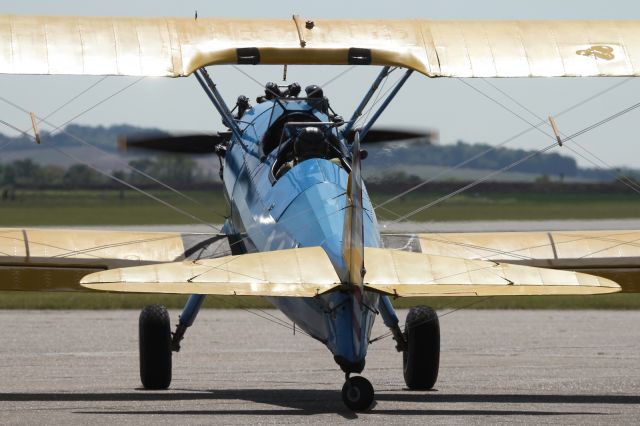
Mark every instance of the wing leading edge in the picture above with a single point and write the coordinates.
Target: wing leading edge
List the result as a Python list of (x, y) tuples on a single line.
[(307, 272), (175, 47)]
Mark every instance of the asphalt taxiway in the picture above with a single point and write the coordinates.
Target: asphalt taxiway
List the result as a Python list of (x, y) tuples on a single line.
[(532, 367)]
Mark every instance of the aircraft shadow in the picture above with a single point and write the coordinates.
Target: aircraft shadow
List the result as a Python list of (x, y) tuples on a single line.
[(310, 402)]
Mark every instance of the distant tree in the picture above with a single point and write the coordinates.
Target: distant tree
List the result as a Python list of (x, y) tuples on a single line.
[(544, 179), (177, 169), (52, 175), (81, 175), (26, 171)]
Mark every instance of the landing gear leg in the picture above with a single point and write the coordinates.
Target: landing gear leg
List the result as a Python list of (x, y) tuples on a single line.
[(187, 318), (357, 393), (390, 319)]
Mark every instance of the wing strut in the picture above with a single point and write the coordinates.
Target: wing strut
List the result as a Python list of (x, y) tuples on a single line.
[(385, 104), (214, 95)]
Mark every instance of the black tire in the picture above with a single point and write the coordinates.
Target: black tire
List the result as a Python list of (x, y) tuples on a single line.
[(155, 347), (357, 393), (421, 360)]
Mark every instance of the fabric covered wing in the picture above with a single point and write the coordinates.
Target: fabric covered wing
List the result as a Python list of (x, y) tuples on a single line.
[(302, 272), (56, 259), (307, 272), (612, 254), (406, 274), (175, 47)]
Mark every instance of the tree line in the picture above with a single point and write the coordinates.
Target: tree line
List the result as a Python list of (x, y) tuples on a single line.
[(182, 170), (171, 169)]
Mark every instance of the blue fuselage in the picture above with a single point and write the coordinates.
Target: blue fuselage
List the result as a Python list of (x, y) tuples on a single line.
[(305, 207)]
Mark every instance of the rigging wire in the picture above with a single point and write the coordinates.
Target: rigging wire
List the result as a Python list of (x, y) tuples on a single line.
[(100, 150), (365, 116), (262, 314), (520, 161), (426, 320), (115, 178), (474, 183), (622, 179), (136, 81), (515, 163), (503, 143), (61, 106), (72, 99)]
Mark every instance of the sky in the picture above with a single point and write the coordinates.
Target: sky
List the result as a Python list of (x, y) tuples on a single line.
[(456, 110)]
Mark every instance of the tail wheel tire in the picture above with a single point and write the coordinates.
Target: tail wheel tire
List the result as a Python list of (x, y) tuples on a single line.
[(421, 360), (155, 347), (357, 393)]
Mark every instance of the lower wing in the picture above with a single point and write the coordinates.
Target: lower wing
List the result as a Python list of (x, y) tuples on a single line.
[(308, 272), (611, 254), (56, 259)]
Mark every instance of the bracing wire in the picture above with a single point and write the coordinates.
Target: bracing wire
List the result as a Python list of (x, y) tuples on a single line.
[(427, 320), (517, 162), (70, 100), (84, 142), (121, 181), (503, 143), (627, 182)]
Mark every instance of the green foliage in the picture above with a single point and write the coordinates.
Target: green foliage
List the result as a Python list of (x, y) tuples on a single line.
[(487, 157), (171, 169), (80, 175)]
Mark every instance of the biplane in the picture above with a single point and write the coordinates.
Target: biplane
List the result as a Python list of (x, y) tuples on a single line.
[(302, 230)]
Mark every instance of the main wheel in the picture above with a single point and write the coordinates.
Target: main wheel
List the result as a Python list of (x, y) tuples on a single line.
[(155, 347), (421, 360), (357, 393)]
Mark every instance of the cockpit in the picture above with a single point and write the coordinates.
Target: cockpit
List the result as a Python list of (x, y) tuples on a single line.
[(307, 128)]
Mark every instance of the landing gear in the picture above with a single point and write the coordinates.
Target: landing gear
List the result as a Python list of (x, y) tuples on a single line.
[(357, 393), (155, 347), (421, 359)]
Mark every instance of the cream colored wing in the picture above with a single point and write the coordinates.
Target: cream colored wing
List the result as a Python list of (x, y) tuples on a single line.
[(302, 272), (406, 274), (308, 272), (56, 259), (612, 254), (175, 47)]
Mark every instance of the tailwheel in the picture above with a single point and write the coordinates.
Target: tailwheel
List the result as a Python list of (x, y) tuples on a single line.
[(357, 393), (155, 347), (421, 359)]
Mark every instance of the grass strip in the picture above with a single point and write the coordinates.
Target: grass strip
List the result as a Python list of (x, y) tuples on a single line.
[(43, 300)]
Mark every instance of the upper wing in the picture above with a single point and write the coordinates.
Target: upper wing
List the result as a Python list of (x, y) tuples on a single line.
[(55, 259), (307, 272), (611, 254), (175, 47)]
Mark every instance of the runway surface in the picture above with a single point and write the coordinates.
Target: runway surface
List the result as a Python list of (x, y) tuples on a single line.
[(532, 367)]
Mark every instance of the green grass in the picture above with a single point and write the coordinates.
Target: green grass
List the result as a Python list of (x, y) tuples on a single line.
[(109, 207), (512, 207), (37, 300), (112, 207)]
